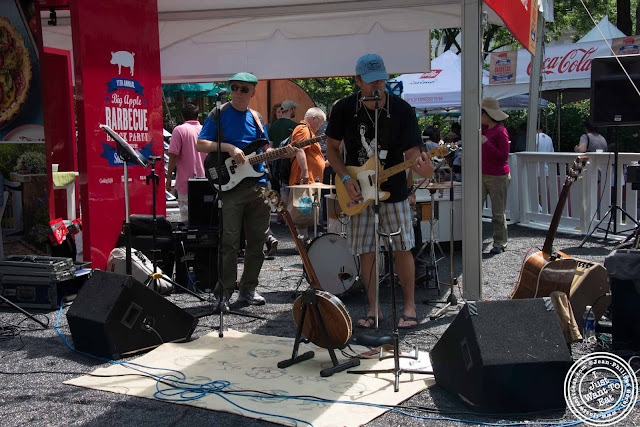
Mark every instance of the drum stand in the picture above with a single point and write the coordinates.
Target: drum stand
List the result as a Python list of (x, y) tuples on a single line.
[(310, 300), (432, 266), (396, 370)]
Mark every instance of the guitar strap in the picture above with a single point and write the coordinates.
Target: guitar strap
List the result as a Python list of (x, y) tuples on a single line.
[(256, 117)]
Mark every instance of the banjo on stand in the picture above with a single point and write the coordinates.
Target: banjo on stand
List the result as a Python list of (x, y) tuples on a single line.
[(320, 316)]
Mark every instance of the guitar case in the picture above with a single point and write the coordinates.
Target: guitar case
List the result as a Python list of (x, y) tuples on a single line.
[(589, 287), (141, 268)]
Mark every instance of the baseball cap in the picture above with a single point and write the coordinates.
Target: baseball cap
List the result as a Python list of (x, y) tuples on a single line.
[(370, 67), (288, 104), (244, 77)]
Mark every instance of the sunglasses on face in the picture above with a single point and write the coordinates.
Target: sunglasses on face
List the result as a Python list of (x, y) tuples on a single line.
[(243, 89)]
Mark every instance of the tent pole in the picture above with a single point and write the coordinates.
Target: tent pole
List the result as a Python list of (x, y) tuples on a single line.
[(534, 86), (559, 114)]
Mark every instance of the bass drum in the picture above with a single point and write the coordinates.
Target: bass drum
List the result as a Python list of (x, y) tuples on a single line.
[(334, 266)]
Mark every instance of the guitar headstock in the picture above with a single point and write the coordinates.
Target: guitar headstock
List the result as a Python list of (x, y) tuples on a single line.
[(576, 169), (443, 150)]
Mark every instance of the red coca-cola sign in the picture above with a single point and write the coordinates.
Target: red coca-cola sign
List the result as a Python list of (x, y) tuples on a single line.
[(575, 61), (431, 74)]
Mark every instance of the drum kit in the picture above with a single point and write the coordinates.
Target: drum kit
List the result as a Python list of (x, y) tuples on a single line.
[(335, 267)]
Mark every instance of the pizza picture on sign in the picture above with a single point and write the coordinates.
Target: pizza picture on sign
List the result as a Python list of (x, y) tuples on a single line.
[(15, 72)]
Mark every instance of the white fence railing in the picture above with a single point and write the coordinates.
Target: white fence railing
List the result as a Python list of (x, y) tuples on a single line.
[(537, 180)]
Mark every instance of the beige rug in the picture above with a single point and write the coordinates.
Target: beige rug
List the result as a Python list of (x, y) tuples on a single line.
[(249, 362)]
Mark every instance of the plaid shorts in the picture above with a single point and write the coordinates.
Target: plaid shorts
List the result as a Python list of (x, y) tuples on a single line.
[(361, 233)]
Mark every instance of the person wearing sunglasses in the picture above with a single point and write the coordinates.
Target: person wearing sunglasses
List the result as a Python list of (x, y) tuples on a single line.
[(243, 206)]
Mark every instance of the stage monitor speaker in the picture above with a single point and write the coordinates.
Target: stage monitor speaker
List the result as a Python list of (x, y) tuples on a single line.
[(203, 209), (115, 316), (504, 356), (623, 267), (614, 101)]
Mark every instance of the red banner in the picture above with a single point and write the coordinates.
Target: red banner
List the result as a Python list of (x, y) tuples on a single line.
[(521, 17), (117, 68)]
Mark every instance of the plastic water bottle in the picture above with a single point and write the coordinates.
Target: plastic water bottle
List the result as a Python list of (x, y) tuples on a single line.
[(191, 279), (589, 326)]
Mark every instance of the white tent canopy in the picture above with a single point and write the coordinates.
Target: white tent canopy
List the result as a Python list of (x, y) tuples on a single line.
[(210, 40), (605, 26), (440, 89)]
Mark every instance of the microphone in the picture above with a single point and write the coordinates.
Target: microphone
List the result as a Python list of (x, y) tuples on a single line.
[(222, 92), (375, 97)]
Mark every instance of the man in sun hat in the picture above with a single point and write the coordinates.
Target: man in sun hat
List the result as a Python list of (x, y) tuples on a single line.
[(244, 203), (353, 120), (495, 169)]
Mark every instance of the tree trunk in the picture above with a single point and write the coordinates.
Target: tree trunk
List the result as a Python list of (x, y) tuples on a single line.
[(637, 19), (624, 16)]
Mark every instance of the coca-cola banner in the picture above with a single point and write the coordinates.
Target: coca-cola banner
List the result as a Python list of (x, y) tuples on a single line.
[(117, 69), (521, 17), (561, 62)]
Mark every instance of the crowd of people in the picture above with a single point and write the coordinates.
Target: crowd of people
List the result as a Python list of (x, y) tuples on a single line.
[(354, 132)]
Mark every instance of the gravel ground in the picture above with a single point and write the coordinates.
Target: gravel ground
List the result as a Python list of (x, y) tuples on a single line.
[(35, 363)]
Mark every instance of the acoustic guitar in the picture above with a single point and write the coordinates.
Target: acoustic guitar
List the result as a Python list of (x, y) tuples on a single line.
[(366, 175), (232, 173), (548, 270), (334, 313)]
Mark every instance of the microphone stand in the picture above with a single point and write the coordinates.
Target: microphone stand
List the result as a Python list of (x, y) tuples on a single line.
[(394, 339), (219, 193)]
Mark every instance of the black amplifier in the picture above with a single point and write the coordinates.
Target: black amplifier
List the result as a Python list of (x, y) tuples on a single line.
[(197, 248), (201, 237)]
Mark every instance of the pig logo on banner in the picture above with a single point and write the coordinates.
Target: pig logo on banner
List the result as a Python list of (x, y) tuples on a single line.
[(122, 58)]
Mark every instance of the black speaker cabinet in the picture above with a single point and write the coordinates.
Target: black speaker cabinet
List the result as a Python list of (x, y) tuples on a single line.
[(203, 210), (614, 101), (115, 316), (623, 268), (504, 356)]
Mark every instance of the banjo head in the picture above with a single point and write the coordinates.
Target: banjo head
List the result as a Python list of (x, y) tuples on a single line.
[(334, 315)]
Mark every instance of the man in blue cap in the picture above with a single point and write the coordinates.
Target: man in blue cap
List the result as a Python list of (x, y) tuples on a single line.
[(353, 121), (244, 203)]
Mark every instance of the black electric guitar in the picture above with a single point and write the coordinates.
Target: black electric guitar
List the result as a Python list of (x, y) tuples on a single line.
[(233, 173)]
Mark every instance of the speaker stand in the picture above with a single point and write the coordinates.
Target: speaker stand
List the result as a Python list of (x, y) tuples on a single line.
[(614, 209), (23, 311)]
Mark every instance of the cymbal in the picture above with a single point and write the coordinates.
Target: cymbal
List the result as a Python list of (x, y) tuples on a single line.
[(439, 185), (314, 186)]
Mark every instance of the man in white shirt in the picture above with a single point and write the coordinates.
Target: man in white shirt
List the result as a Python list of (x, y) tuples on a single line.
[(544, 144)]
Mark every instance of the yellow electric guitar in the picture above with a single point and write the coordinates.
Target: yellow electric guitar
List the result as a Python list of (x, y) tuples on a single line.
[(366, 174)]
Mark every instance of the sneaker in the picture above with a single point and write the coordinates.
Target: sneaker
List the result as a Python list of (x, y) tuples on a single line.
[(221, 305), (272, 246), (251, 298), (496, 250)]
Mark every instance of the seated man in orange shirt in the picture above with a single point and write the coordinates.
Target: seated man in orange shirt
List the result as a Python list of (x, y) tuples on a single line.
[(308, 165)]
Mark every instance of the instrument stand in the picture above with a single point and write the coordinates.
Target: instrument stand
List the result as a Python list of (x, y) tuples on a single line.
[(154, 179), (219, 308), (310, 301), (396, 370), (613, 210)]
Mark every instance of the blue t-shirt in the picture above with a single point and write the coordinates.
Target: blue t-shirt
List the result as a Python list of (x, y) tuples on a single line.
[(238, 128)]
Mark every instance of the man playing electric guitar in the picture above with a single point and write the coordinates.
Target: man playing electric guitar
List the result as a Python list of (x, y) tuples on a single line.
[(244, 203), (352, 120)]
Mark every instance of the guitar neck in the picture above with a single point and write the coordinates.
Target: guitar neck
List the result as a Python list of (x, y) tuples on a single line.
[(555, 221), (280, 152), (306, 262), (386, 173)]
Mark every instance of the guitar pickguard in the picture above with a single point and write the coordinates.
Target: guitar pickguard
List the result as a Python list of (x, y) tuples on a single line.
[(366, 180)]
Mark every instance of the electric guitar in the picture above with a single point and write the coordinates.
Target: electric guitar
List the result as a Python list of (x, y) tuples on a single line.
[(366, 175), (548, 270), (232, 173)]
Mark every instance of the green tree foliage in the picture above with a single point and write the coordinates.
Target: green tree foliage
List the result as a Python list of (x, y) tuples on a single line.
[(325, 91)]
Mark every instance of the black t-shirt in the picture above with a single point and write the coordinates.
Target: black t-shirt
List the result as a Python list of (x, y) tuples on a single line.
[(398, 131)]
